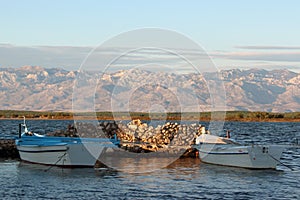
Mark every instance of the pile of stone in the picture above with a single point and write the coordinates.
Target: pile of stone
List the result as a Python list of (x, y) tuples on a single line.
[(164, 135), (136, 131), (187, 134), (108, 128), (136, 135), (8, 149), (172, 134), (90, 130), (70, 132)]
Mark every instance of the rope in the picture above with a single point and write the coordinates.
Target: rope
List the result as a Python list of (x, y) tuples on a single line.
[(60, 157), (281, 162), (277, 159)]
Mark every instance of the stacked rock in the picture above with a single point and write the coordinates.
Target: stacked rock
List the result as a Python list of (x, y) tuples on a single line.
[(107, 129), (164, 135), (170, 133), (137, 133), (90, 130), (134, 131), (8, 149), (70, 132), (186, 135)]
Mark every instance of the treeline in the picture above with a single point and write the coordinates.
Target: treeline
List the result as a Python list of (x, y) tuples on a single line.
[(262, 116), (13, 114), (238, 116), (203, 116)]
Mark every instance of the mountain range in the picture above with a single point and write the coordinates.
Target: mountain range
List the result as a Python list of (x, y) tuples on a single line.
[(56, 89)]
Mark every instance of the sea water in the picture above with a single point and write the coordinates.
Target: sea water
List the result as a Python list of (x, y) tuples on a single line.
[(186, 178)]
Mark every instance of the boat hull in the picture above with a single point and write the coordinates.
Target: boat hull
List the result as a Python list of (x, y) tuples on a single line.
[(64, 152), (252, 157), (74, 155)]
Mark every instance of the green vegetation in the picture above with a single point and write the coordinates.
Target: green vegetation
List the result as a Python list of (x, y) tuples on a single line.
[(8, 114), (261, 116), (205, 116)]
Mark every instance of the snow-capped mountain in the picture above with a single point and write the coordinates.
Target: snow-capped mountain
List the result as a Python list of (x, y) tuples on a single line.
[(37, 88)]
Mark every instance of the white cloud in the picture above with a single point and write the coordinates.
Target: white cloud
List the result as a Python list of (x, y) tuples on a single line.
[(262, 56), (47, 56), (261, 47), (71, 57)]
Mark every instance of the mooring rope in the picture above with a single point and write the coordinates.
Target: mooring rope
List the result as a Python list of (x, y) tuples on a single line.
[(281, 162), (261, 146), (60, 157)]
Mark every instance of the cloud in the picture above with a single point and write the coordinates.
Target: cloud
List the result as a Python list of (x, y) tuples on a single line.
[(176, 60), (72, 57), (258, 47), (67, 57), (281, 56)]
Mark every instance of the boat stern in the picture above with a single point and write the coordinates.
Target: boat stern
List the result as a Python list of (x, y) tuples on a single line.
[(265, 156)]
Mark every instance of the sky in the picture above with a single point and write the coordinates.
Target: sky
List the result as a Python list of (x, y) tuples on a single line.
[(235, 34)]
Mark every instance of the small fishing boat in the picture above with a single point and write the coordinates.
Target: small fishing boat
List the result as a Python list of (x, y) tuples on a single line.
[(61, 151), (225, 151)]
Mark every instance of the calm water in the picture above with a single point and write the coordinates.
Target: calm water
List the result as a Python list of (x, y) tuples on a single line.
[(183, 179)]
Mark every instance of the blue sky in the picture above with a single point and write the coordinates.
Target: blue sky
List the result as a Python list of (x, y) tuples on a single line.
[(235, 33)]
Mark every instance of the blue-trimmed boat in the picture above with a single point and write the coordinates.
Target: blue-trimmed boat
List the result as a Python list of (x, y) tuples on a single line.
[(61, 151)]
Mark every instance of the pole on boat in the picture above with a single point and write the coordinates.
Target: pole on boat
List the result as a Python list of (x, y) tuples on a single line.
[(20, 127), (20, 130), (228, 134), (24, 124)]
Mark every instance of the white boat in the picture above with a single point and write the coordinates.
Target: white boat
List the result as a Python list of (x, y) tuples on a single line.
[(61, 151), (222, 151)]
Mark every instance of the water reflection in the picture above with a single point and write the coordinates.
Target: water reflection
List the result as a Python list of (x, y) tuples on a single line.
[(182, 179)]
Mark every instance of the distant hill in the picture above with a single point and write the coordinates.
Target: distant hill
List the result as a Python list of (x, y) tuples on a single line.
[(37, 88)]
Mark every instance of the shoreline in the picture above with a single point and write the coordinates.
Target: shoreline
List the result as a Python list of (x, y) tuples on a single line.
[(149, 119), (239, 116)]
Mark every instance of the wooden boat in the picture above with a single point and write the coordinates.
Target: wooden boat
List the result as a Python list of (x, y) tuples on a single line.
[(222, 151), (61, 151)]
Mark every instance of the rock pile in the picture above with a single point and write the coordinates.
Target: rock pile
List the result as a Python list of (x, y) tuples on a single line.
[(70, 132), (164, 135), (138, 136), (91, 130), (186, 135), (136, 131), (8, 149), (108, 129), (172, 134)]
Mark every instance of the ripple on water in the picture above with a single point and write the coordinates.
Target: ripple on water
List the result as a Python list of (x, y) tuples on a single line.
[(183, 179)]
